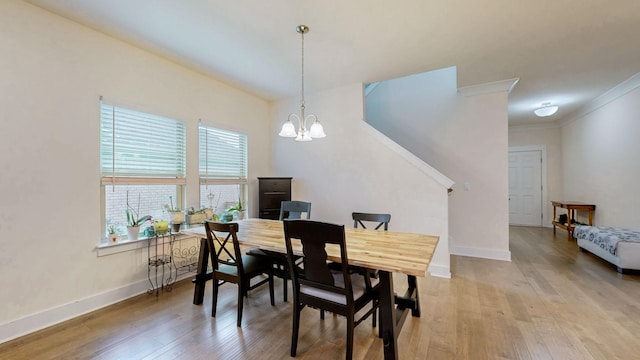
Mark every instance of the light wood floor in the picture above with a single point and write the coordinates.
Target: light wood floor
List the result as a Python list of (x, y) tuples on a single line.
[(550, 302)]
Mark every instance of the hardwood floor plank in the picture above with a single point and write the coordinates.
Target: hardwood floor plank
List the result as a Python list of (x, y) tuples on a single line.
[(550, 302)]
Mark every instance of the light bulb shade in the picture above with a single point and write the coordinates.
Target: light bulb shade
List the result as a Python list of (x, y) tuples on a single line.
[(546, 111), (303, 135), (288, 130), (316, 130)]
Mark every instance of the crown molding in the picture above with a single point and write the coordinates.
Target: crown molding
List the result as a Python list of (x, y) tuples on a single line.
[(614, 93), (489, 88)]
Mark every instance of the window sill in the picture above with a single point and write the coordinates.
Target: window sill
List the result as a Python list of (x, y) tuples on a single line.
[(105, 249)]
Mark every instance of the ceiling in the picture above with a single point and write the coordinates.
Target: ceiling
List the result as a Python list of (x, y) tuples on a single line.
[(565, 52)]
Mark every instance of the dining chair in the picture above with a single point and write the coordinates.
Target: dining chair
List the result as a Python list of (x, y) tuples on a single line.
[(360, 219), (231, 266), (288, 210), (294, 210), (382, 220), (318, 286)]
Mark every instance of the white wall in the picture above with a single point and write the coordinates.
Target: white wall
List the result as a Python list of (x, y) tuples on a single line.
[(53, 72), (550, 138), (600, 152), (352, 170), (465, 138)]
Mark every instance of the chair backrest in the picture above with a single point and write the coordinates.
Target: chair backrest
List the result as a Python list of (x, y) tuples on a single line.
[(220, 238), (294, 209), (381, 219), (315, 272)]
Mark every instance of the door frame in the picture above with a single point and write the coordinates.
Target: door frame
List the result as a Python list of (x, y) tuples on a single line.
[(543, 172)]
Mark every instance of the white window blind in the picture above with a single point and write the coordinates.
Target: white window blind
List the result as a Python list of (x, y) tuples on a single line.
[(223, 156), (136, 146)]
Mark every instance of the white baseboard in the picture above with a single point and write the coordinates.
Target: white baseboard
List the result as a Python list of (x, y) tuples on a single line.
[(440, 271), (491, 254), (38, 321)]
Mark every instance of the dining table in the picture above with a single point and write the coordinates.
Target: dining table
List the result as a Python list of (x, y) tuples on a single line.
[(386, 251)]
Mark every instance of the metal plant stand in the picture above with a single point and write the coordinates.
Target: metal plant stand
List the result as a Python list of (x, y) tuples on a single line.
[(159, 270)]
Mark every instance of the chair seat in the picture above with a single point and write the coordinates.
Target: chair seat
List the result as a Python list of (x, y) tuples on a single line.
[(279, 261), (357, 284), (252, 265), (272, 254)]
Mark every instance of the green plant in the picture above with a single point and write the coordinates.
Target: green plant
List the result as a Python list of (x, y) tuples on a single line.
[(169, 207), (133, 217), (193, 211), (238, 206), (111, 229)]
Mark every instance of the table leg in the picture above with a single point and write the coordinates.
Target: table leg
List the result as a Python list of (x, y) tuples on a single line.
[(572, 215), (388, 316), (413, 291), (201, 273)]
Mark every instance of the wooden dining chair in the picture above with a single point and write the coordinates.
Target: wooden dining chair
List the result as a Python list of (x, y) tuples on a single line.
[(318, 286), (382, 220), (288, 210), (360, 219), (231, 266), (294, 210)]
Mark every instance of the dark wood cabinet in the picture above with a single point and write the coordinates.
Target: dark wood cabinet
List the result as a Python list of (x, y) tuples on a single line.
[(272, 191)]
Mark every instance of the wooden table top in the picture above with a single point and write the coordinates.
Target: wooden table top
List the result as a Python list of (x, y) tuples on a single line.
[(407, 253), (567, 204)]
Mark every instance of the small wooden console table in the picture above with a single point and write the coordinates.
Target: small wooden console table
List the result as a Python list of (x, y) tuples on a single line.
[(571, 207)]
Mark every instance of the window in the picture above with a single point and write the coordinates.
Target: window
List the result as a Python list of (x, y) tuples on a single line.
[(222, 168), (142, 157)]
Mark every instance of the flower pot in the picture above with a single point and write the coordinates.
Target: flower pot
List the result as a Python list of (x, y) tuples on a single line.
[(133, 232), (208, 213), (196, 218), (161, 227), (240, 215), (177, 217), (113, 238)]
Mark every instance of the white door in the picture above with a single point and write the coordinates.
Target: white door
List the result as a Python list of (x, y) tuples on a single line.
[(525, 188)]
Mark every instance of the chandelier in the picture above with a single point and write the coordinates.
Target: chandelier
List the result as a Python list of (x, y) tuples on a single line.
[(288, 129)]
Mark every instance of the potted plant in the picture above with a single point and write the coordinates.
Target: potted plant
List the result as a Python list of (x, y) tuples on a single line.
[(177, 216), (161, 226), (237, 210), (113, 236), (134, 220), (196, 216)]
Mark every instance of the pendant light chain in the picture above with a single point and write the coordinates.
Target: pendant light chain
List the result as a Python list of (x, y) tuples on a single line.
[(302, 77)]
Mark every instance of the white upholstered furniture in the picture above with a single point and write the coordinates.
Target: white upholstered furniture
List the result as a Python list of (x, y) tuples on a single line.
[(621, 247)]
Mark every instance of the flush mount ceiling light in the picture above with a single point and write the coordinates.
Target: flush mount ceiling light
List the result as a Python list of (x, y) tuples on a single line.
[(288, 129), (546, 110)]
